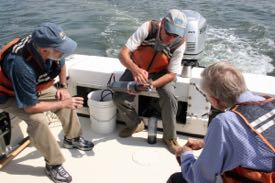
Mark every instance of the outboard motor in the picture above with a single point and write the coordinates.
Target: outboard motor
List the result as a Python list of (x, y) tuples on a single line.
[(196, 36)]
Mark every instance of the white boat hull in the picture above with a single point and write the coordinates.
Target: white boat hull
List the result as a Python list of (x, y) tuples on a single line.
[(93, 72)]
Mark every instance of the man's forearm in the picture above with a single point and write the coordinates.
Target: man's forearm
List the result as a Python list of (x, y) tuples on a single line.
[(44, 106), (163, 80), (125, 59)]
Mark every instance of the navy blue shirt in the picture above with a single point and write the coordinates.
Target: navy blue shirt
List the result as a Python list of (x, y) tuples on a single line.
[(23, 78)]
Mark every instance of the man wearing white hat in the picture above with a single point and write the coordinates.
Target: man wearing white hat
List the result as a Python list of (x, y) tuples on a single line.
[(154, 53)]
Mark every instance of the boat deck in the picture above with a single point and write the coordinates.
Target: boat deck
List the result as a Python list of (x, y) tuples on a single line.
[(113, 159)]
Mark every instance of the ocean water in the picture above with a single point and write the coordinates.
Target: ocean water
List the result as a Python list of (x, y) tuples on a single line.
[(239, 31)]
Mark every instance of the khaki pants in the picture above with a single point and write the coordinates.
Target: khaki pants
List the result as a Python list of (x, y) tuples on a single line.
[(167, 101), (38, 129)]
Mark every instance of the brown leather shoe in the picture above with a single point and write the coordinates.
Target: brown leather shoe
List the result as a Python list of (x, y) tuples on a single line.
[(127, 132), (172, 145)]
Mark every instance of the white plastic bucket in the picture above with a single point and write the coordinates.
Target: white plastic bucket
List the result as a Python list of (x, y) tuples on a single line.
[(102, 113)]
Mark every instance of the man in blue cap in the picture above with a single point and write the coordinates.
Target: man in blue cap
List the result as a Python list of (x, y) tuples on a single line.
[(154, 52), (28, 69)]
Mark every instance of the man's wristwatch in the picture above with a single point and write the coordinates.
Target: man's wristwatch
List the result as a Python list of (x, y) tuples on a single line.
[(63, 85)]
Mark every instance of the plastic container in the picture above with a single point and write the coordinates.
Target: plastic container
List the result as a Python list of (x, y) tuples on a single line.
[(186, 71), (152, 130), (102, 111)]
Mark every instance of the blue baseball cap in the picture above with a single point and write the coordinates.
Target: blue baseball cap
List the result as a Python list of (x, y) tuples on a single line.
[(175, 22), (50, 35)]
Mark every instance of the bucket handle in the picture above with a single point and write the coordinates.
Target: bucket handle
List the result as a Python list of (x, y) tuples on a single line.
[(104, 120), (103, 96), (112, 77)]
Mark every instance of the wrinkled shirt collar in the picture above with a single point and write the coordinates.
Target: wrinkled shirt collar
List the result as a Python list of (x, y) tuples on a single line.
[(248, 96)]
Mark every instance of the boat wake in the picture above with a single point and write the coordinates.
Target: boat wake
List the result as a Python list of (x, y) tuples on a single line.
[(249, 56)]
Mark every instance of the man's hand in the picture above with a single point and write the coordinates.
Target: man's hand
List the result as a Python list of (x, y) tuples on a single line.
[(195, 144), (181, 150), (73, 102), (140, 75), (62, 94)]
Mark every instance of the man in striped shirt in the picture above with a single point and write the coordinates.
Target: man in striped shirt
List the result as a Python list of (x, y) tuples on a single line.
[(239, 144)]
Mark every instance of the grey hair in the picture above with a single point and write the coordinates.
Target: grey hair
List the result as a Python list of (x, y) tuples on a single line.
[(224, 82)]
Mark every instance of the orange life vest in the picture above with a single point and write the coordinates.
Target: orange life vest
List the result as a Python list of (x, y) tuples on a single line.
[(245, 175), (259, 117), (152, 55), (16, 45)]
